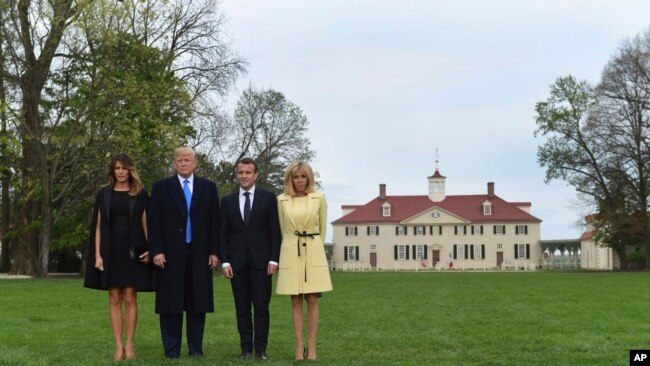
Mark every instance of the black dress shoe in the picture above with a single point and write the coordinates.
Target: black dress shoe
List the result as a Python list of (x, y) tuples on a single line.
[(261, 356), (245, 355)]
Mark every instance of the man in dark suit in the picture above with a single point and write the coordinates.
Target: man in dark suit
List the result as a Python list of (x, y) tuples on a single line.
[(183, 218), (250, 250)]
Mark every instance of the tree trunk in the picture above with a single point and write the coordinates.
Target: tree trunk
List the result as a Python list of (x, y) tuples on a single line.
[(44, 240)]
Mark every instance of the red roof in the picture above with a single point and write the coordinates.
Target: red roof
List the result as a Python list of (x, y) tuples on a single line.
[(437, 175), (469, 207), (586, 235)]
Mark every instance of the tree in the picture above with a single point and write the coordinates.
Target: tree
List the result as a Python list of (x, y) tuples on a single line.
[(597, 141), (268, 128)]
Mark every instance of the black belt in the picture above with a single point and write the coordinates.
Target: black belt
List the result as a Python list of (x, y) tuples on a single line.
[(304, 234)]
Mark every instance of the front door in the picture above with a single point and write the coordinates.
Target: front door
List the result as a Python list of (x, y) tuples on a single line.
[(499, 258), (373, 260), (435, 257)]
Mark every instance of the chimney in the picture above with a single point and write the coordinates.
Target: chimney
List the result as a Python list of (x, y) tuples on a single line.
[(382, 191), (490, 189)]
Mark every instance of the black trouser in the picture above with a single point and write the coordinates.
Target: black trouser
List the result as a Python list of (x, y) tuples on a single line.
[(252, 286), (171, 325)]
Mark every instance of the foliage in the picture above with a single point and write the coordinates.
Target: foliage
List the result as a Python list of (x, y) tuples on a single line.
[(268, 128)]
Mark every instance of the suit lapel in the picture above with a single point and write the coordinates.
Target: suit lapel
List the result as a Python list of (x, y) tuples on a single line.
[(199, 189), (310, 206)]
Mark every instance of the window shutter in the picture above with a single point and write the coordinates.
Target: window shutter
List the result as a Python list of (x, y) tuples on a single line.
[(395, 251), (406, 230), (345, 254), (482, 251), (356, 252), (430, 230), (455, 230), (414, 253), (466, 254), (346, 231), (464, 229), (396, 230), (472, 229), (527, 251), (368, 230), (494, 229), (481, 229), (516, 229), (516, 252), (376, 230), (440, 230), (455, 251), (406, 247), (425, 252), (356, 231), (471, 251), (526, 229)]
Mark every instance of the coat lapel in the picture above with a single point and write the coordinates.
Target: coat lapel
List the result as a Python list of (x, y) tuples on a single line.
[(176, 192), (287, 201), (106, 203)]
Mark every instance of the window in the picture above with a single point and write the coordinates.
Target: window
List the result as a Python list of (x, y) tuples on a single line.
[(477, 229), (419, 252), (373, 230), (373, 247), (418, 230), (521, 229), (522, 251), (438, 187), (487, 209), (479, 251), (460, 230), (351, 253), (401, 252), (459, 251), (499, 229), (435, 230), (400, 230), (499, 246), (386, 210), (350, 231)]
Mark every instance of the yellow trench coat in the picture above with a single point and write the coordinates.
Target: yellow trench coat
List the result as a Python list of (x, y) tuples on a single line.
[(303, 264)]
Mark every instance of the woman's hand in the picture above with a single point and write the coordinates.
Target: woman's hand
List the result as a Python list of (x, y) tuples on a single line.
[(144, 257), (99, 263)]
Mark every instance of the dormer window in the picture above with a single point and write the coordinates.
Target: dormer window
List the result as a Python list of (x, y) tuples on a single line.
[(385, 209), (487, 208)]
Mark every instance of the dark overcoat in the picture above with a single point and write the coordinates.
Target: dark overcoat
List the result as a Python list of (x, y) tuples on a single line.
[(261, 236), (167, 215), (97, 279)]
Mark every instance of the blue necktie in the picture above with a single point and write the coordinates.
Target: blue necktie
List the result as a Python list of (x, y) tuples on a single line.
[(247, 209), (188, 199)]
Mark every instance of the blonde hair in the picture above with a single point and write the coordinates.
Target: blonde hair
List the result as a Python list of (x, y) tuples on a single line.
[(135, 183), (291, 172), (184, 150)]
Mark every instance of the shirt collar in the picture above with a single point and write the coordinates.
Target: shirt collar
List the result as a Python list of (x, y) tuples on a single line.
[(252, 191), (182, 180)]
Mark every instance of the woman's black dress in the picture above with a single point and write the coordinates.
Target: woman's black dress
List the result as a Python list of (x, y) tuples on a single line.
[(122, 271)]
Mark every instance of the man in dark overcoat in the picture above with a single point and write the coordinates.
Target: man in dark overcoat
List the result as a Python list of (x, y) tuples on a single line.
[(250, 251), (183, 218)]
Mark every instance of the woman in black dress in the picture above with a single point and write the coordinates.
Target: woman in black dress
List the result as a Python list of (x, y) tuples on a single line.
[(118, 259)]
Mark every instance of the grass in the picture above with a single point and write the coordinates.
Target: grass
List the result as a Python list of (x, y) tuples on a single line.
[(535, 318)]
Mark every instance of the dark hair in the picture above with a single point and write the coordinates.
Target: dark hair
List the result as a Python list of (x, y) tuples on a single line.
[(246, 161), (135, 183)]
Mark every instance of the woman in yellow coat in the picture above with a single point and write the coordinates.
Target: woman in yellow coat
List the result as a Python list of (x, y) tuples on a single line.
[(303, 270)]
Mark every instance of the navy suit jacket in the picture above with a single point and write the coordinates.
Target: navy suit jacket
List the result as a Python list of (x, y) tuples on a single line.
[(261, 237)]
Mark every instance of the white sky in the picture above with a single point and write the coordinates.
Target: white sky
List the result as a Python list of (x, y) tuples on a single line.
[(385, 83)]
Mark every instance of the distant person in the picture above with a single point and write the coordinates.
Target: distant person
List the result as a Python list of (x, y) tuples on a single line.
[(303, 268), (183, 240), (118, 259), (250, 250)]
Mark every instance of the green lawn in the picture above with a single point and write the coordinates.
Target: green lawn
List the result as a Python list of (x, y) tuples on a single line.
[(538, 318)]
